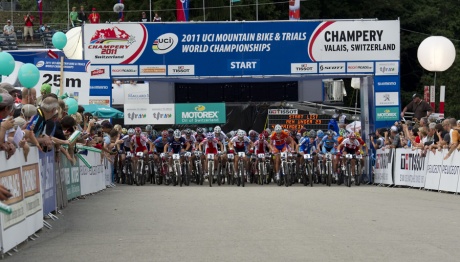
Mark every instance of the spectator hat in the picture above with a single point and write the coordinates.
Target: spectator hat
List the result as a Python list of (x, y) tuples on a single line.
[(394, 128), (19, 121), (46, 88), (8, 87), (94, 9), (28, 110), (416, 95), (6, 100), (8, 21)]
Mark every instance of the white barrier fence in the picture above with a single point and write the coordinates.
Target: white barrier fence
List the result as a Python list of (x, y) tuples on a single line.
[(27, 181), (407, 167)]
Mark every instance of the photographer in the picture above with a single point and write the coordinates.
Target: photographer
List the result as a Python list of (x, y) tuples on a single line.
[(392, 139), (377, 140)]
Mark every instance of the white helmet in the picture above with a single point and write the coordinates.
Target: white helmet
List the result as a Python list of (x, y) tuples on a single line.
[(240, 133), (217, 130), (131, 131), (148, 128), (177, 133), (278, 129)]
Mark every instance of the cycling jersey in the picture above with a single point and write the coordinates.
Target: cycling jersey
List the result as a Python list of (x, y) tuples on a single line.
[(210, 146), (159, 144), (329, 142), (240, 145), (177, 145), (260, 146), (221, 138), (191, 140), (199, 138), (306, 145), (279, 139), (351, 146), (139, 143)]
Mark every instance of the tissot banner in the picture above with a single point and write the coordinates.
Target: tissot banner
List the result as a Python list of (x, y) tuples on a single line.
[(247, 48)]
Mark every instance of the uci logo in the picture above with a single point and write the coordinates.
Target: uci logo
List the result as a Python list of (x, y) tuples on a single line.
[(165, 43)]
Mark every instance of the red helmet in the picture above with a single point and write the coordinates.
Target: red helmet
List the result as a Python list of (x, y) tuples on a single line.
[(164, 133), (303, 130), (252, 133), (265, 133), (261, 137), (352, 136), (138, 130)]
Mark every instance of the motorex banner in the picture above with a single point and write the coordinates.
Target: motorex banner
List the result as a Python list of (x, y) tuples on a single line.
[(72, 177), (204, 113)]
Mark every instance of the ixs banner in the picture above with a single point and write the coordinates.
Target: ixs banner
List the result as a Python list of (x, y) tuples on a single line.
[(384, 166), (246, 48), (211, 113), (149, 114), (76, 78)]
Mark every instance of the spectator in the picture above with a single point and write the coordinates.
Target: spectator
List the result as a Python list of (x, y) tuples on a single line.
[(48, 109), (144, 18), (424, 122), (29, 97), (393, 140), (378, 141), (420, 107), (7, 122), (81, 110), (157, 18), (82, 15), (45, 89), (74, 17), (453, 134), (94, 17), (28, 27), (8, 29)]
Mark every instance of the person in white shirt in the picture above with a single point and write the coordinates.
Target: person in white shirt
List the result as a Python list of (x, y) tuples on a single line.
[(8, 29)]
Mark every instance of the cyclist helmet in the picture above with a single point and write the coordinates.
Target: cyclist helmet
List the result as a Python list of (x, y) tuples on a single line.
[(320, 134), (352, 136), (124, 131), (138, 130), (154, 134), (330, 132), (229, 135), (199, 130), (305, 134), (293, 133), (303, 130), (278, 129), (164, 133), (262, 137), (217, 130), (240, 133), (252, 133), (357, 134), (232, 133), (131, 131), (266, 133), (177, 133), (268, 130), (342, 132), (170, 131), (188, 131), (312, 133), (205, 130), (209, 136), (148, 128)]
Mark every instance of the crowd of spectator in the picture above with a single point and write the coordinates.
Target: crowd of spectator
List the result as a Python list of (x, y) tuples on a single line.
[(45, 124)]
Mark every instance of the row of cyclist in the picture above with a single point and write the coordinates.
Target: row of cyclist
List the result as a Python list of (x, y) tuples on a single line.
[(281, 156)]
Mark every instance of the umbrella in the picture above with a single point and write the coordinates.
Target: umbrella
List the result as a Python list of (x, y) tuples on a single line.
[(103, 111)]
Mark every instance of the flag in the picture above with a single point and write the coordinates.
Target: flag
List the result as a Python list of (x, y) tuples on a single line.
[(182, 10), (121, 16), (40, 10), (52, 54), (294, 9)]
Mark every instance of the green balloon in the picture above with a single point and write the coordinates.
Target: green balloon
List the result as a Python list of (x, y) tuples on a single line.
[(7, 62), (28, 75), (72, 105), (59, 40)]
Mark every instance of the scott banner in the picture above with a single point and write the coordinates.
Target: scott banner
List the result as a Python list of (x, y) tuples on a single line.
[(76, 78), (205, 113), (246, 48)]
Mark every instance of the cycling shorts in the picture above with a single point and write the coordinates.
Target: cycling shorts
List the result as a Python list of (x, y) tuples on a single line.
[(242, 149), (279, 148), (329, 149), (141, 149), (211, 151)]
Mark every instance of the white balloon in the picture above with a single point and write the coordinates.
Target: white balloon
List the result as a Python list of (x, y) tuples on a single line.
[(74, 49), (118, 8), (436, 53)]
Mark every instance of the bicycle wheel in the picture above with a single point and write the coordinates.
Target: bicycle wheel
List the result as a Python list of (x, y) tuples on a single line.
[(348, 178), (357, 172), (187, 175), (210, 172), (200, 174), (310, 174), (329, 173), (241, 172), (230, 174)]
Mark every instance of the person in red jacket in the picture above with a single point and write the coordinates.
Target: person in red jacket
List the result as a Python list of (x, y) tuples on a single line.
[(94, 17)]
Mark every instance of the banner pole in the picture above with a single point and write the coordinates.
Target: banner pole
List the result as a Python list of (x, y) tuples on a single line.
[(61, 87)]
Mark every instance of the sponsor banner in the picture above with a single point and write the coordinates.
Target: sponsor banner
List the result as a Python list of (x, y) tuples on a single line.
[(304, 68), (207, 113), (72, 177), (386, 68), (433, 172), (99, 100), (48, 182), (410, 168), (198, 43), (384, 166), (76, 77), (136, 94), (387, 98), (181, 70), (31, 180), (100, 72), (325, 68), (124, 70), (12, 179), (387, 113), (246, 65), (152, 70), (360, 67), (283, 111), (153, 114), (449, 172), (100, 87)]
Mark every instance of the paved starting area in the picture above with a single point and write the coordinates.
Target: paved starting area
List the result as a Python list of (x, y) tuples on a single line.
[(255, 223)]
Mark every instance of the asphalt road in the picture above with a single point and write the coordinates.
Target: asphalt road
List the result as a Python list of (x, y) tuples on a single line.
[(255, 223)]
